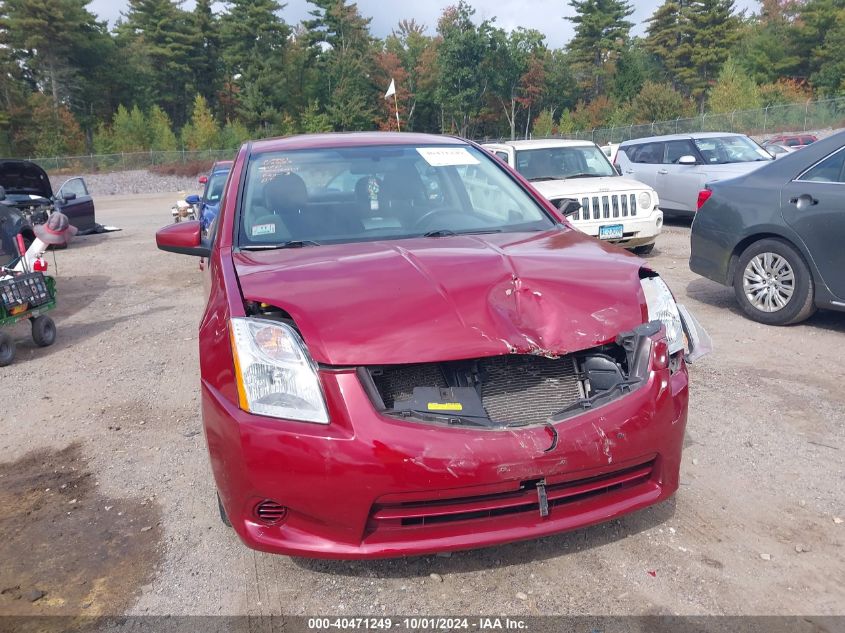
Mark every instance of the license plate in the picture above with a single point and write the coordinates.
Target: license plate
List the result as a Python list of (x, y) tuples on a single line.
[(610, 232)]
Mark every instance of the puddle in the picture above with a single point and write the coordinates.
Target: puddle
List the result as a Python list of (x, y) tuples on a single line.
[(64, 548)]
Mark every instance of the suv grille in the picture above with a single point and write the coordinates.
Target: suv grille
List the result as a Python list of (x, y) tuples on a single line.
[(607, 207)]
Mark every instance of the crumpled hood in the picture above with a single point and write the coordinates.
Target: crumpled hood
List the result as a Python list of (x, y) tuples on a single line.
[(438, 299), (581, 187), (24, 177)]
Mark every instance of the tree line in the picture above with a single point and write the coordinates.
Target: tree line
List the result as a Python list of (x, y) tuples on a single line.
[(166, 78)]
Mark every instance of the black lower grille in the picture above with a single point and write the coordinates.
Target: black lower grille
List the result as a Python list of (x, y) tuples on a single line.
[(514, 389)]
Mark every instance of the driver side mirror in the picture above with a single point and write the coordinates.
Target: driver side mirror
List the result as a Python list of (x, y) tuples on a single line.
[(183, 238), (193, 199), (687, 160), (569, 206)]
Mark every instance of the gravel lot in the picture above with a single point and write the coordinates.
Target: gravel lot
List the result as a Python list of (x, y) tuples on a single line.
[(115, 512)]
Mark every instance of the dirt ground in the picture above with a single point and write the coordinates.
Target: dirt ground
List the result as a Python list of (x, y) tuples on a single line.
[(108, 501)]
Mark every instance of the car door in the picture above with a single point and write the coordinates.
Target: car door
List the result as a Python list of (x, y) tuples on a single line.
[(74, 200), (814, 206), (679, 184), (642, 161)]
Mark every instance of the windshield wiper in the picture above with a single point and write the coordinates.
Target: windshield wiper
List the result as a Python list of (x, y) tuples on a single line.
[(273, 247), (449, 232), (544, 178), (584, 175)]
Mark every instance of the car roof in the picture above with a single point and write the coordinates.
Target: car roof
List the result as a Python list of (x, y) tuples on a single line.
[(680, 137), (223, 165), (545, 143), (351, 139)]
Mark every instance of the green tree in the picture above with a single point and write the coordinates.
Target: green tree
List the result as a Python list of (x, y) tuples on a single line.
[(233, 135), (314, 121), (412, 50), (254, 45), (733, 91), (829, 69), (601, 33), (48, 131), (513, 81), (347, 59), (201, 131), (160, 40), (160, 131), (666, 33), (544, 124), (463, 58), (712, 29), (129, 130), (657, 102), (206, 61), (47, 35)]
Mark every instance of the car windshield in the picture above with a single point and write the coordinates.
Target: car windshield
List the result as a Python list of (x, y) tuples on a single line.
[(336, 195), (730, 149), (558, 163), (214, 186)]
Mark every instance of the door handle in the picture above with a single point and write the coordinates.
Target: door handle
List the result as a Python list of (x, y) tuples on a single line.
[(803, 201), (663, 172)]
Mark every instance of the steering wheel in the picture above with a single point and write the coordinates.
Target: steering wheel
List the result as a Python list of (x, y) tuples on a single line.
[(425, 219)]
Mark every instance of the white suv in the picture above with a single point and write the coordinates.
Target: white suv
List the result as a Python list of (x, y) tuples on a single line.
[(621, 210)]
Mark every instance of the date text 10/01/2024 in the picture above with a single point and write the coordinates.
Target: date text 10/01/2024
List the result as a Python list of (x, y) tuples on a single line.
[(418, 624)]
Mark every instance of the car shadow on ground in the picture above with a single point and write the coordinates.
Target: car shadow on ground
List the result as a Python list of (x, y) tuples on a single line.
[(507, 555), (718, 296)]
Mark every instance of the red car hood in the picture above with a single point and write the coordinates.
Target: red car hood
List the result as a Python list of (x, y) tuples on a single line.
[(438, 299)]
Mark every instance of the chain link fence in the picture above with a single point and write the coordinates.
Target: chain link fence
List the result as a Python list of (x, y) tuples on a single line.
[(128, 160), (797, 117)]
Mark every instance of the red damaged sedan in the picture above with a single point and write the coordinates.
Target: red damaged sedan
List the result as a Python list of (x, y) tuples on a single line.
[(407, 350)]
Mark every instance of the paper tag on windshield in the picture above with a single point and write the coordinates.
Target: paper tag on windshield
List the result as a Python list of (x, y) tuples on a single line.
[(447, 156), (263, 229)]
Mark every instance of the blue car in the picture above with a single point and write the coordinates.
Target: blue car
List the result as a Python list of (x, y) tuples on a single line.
[(210, 201)]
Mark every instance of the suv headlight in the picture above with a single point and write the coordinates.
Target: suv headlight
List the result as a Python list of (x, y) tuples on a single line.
[(644, 200), (662, 307), (276, 377)]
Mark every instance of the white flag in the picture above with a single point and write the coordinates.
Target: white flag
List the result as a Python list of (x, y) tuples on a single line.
[(391, 90)]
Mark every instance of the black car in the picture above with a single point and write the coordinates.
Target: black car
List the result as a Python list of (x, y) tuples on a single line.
[(26, 187), (777, 234)]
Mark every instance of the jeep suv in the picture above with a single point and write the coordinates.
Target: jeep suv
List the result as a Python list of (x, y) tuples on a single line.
[(613, 208)]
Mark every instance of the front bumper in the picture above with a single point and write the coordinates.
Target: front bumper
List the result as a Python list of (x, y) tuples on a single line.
[(369, 486), (639, 231)]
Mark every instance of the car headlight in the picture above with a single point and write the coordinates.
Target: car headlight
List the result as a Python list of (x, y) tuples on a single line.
[(644, 200), (662, 307), (276, 377)]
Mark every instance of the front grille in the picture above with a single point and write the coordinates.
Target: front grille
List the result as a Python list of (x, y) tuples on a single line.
[(528, 389), (607, 207), (562, 496), (515, 389)]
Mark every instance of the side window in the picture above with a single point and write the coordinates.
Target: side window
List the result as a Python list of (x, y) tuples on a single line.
[(677, 149), (75, 186), (651, 153), (502, 155), (831, 169)]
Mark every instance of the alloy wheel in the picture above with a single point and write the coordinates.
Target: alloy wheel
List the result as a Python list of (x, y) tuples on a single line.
[(769, 282)]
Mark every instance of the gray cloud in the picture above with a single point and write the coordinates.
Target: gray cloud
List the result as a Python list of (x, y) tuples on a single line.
[(547, 16)]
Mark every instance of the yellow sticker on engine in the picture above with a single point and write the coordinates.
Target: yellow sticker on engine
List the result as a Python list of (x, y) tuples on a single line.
[(445, 406)]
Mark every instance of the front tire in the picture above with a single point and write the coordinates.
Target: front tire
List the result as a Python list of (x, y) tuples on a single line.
[(773, 284), (43, 331), (7, 349)]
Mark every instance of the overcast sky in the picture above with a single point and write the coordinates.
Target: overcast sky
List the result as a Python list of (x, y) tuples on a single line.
[(547, 16)]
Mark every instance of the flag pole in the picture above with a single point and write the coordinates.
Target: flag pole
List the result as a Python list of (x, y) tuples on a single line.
[(396, 103)]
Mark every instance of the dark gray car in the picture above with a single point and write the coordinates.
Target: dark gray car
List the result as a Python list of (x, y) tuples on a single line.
[(777, 235)]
